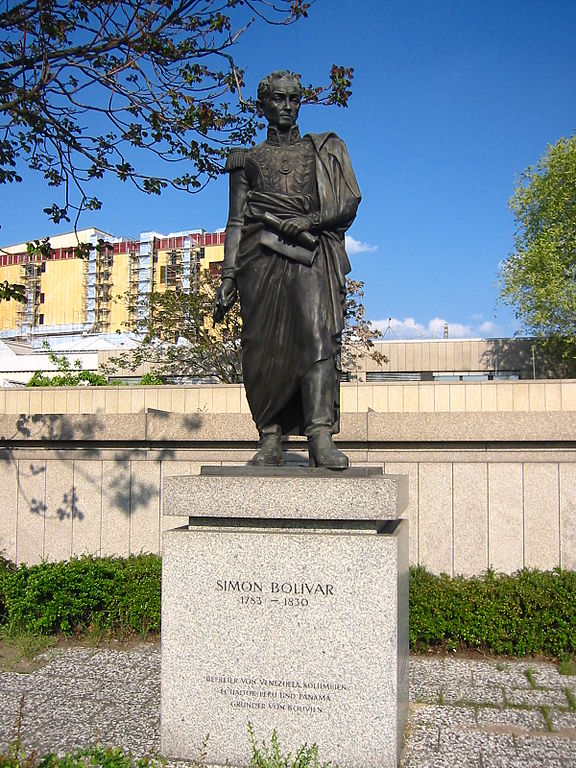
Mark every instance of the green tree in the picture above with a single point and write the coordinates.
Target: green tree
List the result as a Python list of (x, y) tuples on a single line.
[(178, 339), (359, 334), (539, 277), (177, 336), (131, 89)]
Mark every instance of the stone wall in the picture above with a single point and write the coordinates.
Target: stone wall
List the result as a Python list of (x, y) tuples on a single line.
[(391, 397), (491, 466)]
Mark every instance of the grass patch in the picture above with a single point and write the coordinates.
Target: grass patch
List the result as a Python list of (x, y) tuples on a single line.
[(271, 756), (547, 718), (91, 757), (567, 666), (19, 649), (571, 699), (530, 677)]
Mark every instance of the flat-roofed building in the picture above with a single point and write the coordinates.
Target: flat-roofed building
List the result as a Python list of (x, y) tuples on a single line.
[(68, 295)]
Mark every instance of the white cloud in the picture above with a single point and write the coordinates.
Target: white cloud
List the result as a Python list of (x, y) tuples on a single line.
[(354, 246), (408, 328), (490, 328)]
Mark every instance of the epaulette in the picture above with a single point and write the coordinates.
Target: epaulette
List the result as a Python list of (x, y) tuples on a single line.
[(235, 159)]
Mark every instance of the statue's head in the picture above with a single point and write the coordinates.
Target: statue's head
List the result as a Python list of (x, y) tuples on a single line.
[(279, 98)]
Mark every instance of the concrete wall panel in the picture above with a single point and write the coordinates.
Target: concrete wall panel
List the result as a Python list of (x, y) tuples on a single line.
[(396, 398), (115, 536), (567, 479), (435, 516), (541, 516), (31, 510), (9, 496), (489, 397), (145, 507), (426, 397), (442, 398), (505, 517), (521, 396), (85, 508), (411, 513), (569, 396), (473, 397), (59, 494), (470, 494)]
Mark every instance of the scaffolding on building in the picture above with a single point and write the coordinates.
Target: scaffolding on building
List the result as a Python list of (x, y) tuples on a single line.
[(28, 314)]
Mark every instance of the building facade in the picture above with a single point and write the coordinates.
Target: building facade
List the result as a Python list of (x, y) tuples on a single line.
[(68, 295)]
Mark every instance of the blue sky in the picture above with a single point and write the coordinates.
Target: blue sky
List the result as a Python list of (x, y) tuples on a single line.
[(451, 101)]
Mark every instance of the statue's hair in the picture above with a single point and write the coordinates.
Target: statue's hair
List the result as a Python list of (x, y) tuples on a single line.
[(264, 87)]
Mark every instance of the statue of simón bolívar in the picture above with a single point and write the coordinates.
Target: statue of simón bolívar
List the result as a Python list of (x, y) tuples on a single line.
[(292, 198)]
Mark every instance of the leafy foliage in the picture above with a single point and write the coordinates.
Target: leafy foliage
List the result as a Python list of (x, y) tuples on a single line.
[(271, 756), (69, 374), (73, 375), (529, 612), (10, 291), (6, 567), (359, 334), (110, 593), (178, 338), (539, 277), (129, 88), (93, 756)]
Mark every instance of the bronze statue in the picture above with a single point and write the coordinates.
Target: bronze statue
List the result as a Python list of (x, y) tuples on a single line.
[(292, 198)]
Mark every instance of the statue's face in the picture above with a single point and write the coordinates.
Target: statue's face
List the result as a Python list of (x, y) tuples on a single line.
[(282, 104)]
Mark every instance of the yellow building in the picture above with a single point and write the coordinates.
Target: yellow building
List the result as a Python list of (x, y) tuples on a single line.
[(67, 294)]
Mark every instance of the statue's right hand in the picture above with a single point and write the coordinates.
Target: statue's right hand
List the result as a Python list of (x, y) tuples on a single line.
[(225, 298)]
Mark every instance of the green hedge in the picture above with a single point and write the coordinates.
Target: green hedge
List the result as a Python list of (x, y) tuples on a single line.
[(109, 593), (529, 612)]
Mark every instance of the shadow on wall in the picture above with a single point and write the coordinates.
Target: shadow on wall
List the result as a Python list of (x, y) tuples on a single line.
[(509, 356), (121, 489)]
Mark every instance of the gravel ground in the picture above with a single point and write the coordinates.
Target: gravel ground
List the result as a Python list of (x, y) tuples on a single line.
[(463, 714)]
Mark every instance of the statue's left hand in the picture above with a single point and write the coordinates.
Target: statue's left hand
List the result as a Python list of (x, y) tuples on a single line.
[(293, 227)]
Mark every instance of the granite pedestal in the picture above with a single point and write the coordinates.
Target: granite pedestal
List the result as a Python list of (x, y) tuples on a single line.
[(285, 605)]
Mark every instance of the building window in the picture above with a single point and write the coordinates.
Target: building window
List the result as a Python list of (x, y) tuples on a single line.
[(42, 298), (40, 319)]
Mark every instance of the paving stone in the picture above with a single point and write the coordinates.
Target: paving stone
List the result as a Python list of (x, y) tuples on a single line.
[(493, 761), (422, 740), (510, 718), (535, 699), (440, 671), (473, 694), (476, 743), (459, 758), (563, 721), (508, 674), (546, 748), (547, 676), (84, 694), (443, 716), (424, 692)]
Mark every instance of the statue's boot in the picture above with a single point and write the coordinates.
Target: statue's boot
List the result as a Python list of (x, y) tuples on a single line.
[(318, 407), (269, 447), (323, 453)]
